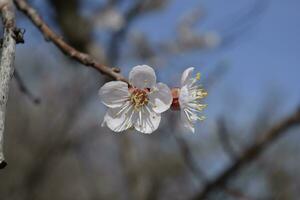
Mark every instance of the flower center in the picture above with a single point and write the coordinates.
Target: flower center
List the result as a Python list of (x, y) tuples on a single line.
[(175, 103), (139, 97)]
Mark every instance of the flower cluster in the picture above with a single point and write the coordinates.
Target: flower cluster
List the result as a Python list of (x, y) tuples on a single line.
[(140, 103)]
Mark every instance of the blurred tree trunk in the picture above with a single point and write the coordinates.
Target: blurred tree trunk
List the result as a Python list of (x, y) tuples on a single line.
[(76, 29), (77, 34)]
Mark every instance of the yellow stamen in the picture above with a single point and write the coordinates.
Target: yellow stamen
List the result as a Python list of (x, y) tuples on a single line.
[(201, 93), (198, 76), (139, 98), (201, 118), (201, 106)]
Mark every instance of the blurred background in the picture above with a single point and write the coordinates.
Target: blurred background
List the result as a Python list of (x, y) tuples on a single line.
[(248, 54)]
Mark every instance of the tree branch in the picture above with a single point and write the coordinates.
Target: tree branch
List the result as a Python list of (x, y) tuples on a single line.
[(6, 64), (24, 89), (224, 138), (250, 154), (68, 50), (197, 171), (189, 159)]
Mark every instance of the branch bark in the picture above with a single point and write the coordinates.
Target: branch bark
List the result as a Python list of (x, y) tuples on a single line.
[(250, 154), (68, 50), (6, 64)]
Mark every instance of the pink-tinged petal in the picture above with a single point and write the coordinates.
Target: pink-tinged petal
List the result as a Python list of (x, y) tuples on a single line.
[(119, 119), (114, 93), (160, 98), (142, 76), (147, 120), (186, 76)]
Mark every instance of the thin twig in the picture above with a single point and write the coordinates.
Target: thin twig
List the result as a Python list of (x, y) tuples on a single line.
[(6, 64), (250, 154), (24, 89), (189, 160), (68, 50), (191, 164), (225, 139)]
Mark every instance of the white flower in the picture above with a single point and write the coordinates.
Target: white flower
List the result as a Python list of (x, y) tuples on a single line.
[(138, 105), (189, 99)]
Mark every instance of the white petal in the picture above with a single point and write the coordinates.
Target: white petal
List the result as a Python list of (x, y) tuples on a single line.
[(186, 76), (147, 120), (187, 124), (184, 96), (142, 76), (114, 93), (160, 98), (119, 119)]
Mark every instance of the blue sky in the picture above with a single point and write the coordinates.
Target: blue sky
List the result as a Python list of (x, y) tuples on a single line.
[(266, 57)]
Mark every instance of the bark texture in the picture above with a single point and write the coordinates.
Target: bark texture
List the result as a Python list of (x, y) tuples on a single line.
[(6, 63)]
